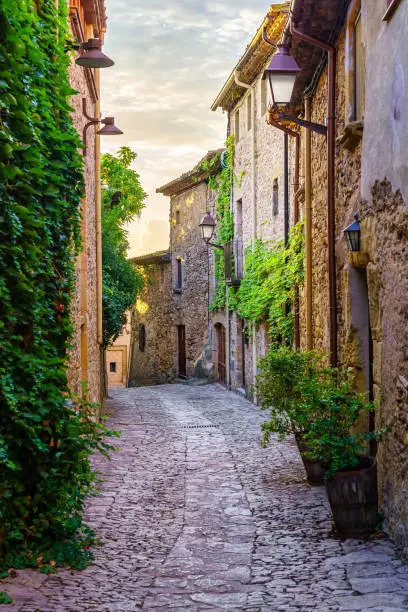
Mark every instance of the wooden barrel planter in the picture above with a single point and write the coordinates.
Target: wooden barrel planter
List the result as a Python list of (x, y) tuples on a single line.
[(353, 499), (314, 468)]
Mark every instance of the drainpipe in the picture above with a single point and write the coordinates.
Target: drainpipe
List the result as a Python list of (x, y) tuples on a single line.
[(296, 136), (331, 107), (98, 212), (285, 189), (308, 229), (253, 210)]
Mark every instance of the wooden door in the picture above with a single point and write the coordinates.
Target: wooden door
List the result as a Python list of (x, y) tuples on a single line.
[(181, 344), (221, 354)]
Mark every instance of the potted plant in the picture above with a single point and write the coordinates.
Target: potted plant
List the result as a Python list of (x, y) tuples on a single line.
[(351, 475), (289, 385)]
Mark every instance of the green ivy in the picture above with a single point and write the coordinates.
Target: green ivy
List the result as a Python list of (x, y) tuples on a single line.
[(45, 440), (223, 182), (266, 292)]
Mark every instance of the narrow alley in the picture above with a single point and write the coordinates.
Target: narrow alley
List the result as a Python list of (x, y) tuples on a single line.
[(195, 515)]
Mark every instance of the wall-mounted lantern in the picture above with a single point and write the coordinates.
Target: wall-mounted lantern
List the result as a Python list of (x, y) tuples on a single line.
[(208, 226), (352, 235), (281, 74), (109, 129), (93, 56)]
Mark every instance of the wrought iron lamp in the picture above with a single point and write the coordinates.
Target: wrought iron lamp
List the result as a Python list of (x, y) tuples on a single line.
[(109, 128), (208, 226), (93, 56), (352, 235), (281, 74)]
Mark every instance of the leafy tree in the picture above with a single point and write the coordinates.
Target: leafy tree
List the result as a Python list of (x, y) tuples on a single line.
[(122, 200)]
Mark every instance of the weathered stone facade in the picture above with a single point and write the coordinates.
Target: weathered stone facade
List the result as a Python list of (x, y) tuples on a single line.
[(258, 205), (174, 305), (372, 289), (85, 355), (152, 343), (371, 178)]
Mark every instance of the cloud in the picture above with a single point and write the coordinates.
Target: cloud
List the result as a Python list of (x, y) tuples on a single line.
[(171, 61)]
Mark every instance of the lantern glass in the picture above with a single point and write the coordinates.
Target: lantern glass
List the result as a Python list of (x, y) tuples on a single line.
[(353, 240), (207, 232), (281, 85), (352, 235), (207, 225)]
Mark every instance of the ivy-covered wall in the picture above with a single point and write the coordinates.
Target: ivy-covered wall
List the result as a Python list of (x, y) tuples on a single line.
[(44, 470)]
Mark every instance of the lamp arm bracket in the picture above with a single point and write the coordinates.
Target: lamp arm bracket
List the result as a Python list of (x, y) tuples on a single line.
[(310, 125), (216, 246), (85, 113), (266, 39)]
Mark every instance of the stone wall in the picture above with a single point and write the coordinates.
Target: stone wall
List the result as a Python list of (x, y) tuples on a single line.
[(384, 230), (190, 304), (85, 354), (269, 218), (372, 289), (153, 363), (170, 301)]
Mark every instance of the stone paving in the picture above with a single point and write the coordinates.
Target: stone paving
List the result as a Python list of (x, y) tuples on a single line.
[(195, 515)]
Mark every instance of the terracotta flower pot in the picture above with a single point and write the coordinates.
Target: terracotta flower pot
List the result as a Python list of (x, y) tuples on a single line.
[(354, 500)]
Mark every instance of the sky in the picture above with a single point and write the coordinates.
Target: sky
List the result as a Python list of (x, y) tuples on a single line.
[(171, 60)]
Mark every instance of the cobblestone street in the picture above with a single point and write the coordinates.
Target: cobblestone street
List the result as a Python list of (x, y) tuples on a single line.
[(195, 515)]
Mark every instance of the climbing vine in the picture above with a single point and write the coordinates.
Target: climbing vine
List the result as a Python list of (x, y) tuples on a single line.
[(223, 183), (268, 287), (45, 439)]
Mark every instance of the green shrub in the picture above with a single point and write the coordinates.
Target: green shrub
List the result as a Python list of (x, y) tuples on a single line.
[(289, 385), (316, 403), (332, 435)]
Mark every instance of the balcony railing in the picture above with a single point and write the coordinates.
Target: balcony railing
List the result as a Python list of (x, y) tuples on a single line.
[(233, 262)]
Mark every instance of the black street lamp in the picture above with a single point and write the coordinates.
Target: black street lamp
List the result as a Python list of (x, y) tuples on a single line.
[(352, 235), (208, 225)]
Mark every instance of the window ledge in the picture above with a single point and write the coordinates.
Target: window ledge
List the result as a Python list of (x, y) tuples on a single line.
[(177, 290), (353, 133), (390, 10)]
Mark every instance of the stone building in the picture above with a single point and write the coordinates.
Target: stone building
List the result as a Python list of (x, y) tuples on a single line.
[(153, 342), (88, 20), (354, 305), (350, 314), (258, 198), (170, 320)]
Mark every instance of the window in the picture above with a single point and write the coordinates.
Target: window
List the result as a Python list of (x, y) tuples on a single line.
[(179, 274), (236, 126), (359, 70), (112, 366), (264, 96), (391, 6), (177, 217), (142, 337), (275, 197), (249, 112)]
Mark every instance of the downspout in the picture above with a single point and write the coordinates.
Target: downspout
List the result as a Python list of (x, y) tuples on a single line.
[(253, 212), (296, 136), (285, 189), (331, 107), (308, 229), (98, 213)]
